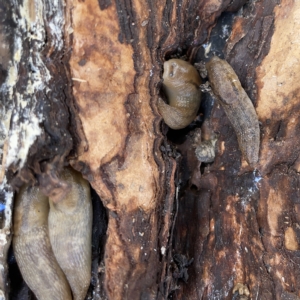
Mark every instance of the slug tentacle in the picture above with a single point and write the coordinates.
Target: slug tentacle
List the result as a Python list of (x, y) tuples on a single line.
[(32, 247), (237, 106), (181, 86), (70, 227)]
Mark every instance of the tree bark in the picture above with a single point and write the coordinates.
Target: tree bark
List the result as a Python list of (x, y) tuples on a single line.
[(80, 82)]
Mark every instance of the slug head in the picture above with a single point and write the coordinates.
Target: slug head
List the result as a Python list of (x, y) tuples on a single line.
[(178, 73), (223, 80), (75, 196)]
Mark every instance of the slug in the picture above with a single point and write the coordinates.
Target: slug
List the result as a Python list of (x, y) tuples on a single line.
[(70, 228), (237, 106), (181, 83), (32, 248)]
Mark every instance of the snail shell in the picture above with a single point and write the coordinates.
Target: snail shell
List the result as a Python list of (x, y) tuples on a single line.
[(32, 248), (181, 86), (70, 228), (237, 106), (205, 152), (204, 141)]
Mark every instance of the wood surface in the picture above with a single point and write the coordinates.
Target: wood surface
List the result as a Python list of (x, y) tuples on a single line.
[(79, 85)]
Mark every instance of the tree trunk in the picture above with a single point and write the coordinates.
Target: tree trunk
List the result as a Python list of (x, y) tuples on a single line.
[(80, 83)]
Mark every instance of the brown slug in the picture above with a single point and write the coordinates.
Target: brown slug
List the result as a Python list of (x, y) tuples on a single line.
[(181, 83), (32, 248), (237, 106), (70, 229)]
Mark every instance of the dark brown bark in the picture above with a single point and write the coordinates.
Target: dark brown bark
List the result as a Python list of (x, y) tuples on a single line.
[(176, 227)]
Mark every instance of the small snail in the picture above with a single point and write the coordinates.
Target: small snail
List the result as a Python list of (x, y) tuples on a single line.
[(181, 86), (70, 227), (204, 141), (237, 106), (32, 247)]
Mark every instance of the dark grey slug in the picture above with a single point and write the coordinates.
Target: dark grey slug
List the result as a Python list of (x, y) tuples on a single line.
[(32, 248), (181, 83), (237, 106)]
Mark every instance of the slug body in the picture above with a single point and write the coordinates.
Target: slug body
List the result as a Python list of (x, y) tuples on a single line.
[(32, 247), (237, 106), (70, 227), (181, 83)]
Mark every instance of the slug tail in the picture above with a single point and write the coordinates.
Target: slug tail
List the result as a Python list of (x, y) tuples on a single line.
[(173, 117)]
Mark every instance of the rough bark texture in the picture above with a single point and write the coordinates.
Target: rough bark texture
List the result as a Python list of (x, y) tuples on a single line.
[(80, 84), (247, 221)]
